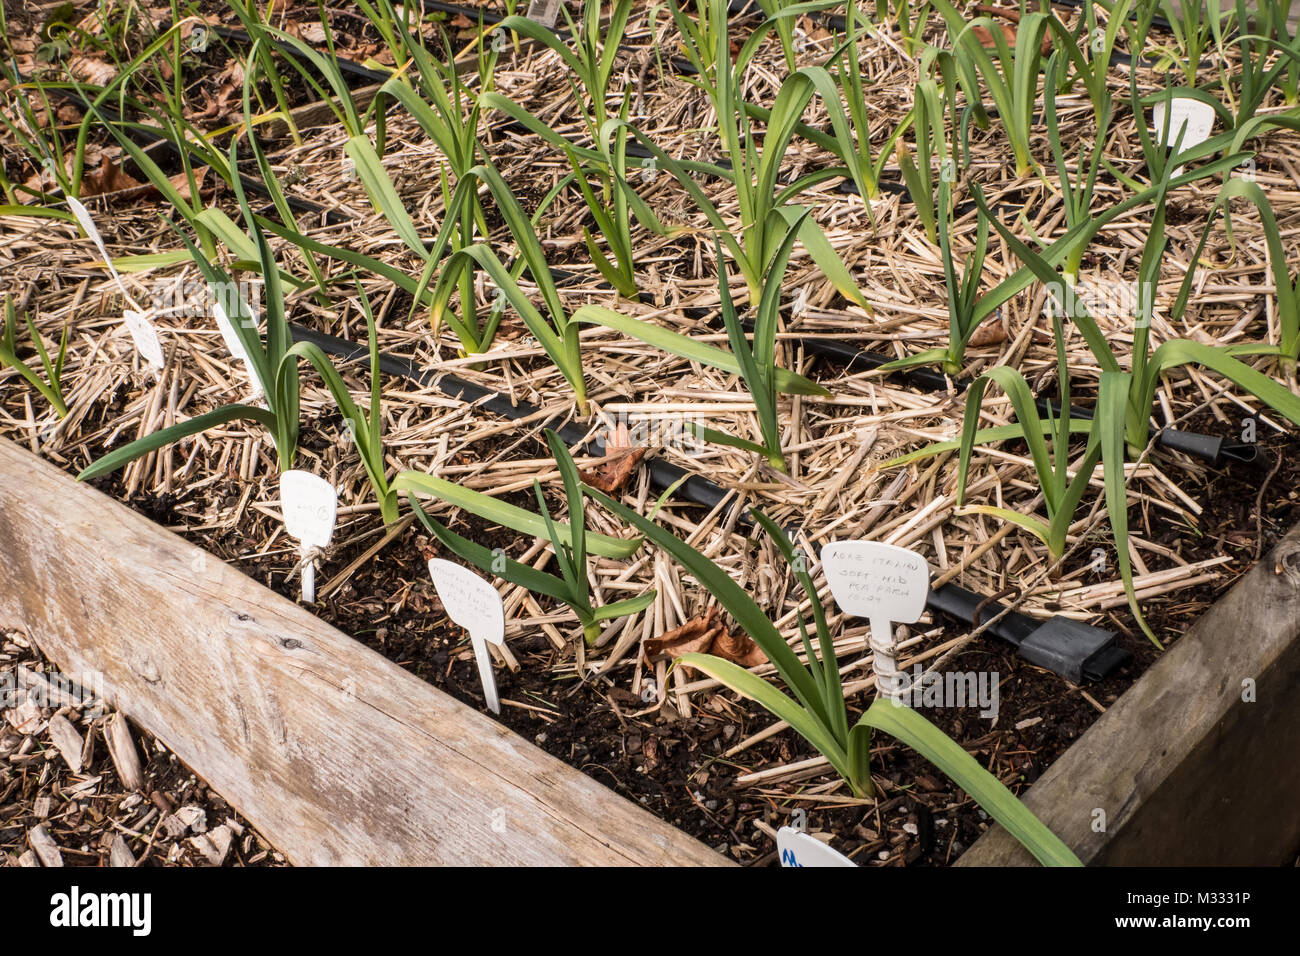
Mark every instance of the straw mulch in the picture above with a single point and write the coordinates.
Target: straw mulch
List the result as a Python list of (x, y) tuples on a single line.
[(222, 487)]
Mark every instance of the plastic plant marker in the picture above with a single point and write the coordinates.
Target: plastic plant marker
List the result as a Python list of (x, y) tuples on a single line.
[(310, 505), (1192, 117), (145, 337), (475, 605), (236, 347), (545, 12), (797, 848), (885, 584), (143, 333)]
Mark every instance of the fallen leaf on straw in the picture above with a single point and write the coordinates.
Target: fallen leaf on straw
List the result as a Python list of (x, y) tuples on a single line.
[(611, 473), (109, 178), (705, 635), (1008, 31), (696, 636), (991, 333), (739, 649)]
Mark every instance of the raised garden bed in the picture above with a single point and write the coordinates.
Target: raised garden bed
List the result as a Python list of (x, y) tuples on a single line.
[(338, 756), (1196, 764), (678, 743)]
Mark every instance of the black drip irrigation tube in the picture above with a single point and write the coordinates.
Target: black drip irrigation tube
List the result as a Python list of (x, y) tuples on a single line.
[(1072, 650), (662, 473), (1068, 648), (1212, 448), (149, 137)]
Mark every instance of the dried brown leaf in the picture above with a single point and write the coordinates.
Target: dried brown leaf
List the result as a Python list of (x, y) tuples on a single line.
[(991, 333)]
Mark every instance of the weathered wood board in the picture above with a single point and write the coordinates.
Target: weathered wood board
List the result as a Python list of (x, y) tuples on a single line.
[(1198, 763), (334, 753)]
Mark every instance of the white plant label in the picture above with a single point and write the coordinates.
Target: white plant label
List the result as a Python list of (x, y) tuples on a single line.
[(143, 332), (145, 337), (475, 605), (885, 584), (797, 848), (1194, 118), (870, 579), (800, 304), (545, 12), (88, 224), (236, 347), (310, 505)]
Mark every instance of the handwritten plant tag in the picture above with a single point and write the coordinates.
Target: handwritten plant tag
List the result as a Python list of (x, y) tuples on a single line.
[(797, 848), (143, 332), (233, 343), (1192, 118), (874, 580), (475, 605), (885, 584), (310, 505)]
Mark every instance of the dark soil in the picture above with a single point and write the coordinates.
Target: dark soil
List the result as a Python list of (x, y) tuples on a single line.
[(673, 765)]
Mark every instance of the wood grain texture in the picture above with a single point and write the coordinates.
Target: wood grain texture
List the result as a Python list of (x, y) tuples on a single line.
[(1185, 770), (337, 755)]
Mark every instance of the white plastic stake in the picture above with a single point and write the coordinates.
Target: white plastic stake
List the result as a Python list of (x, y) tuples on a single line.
[(310, 505), (145, 337), (797, 848), (545, 12), (885, 584), (475, 605), (800, 304), (1185, 114), (137, 322), (235, 346)]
